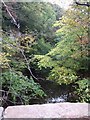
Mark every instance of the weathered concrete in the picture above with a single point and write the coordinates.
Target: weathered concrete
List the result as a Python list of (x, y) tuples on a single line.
[(1, 112), (58, 110)]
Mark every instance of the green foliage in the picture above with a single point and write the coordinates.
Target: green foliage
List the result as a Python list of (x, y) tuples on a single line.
[(37, 16), (20, 87), (61, 62), (69, 55), (4, 61), (42, 47), (44, 61), (58, 10), (62, 75), (83, 91)]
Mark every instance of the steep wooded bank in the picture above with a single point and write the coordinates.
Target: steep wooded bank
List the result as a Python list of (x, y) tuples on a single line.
[(40, 42)]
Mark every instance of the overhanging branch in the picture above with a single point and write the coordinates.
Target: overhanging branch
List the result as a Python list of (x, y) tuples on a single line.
[(15, 22), (83, 4)]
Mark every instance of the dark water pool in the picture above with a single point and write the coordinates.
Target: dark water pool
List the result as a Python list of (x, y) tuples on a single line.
[(55, 93)]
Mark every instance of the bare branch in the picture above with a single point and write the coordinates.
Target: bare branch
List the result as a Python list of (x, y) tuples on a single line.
[(5, 97), (15, 22), (83, 4), (28, 64)]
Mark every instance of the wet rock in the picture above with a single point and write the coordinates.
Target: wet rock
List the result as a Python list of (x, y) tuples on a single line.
[(56, 100)]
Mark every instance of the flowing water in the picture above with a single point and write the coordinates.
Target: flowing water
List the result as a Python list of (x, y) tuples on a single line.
[(55, 93)]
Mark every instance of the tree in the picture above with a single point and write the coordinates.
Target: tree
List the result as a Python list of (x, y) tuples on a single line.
[(87, 4), (73, 46), (16, 88), (37, 16)]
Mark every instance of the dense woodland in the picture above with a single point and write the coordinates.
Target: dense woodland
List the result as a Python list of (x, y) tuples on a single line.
[(43, 42)]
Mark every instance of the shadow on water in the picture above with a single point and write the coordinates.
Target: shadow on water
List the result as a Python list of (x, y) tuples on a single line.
[(55, 93)]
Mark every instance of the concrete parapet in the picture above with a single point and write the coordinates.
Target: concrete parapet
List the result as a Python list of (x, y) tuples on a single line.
[(49, 111), (1, 112)]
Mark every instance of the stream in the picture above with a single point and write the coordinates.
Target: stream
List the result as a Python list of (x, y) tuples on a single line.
[(55, 93)]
